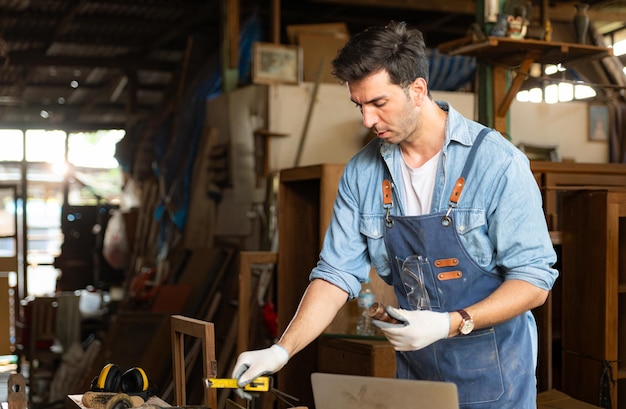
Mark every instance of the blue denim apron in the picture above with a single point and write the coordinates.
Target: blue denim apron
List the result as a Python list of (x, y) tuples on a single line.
[(492, 367)]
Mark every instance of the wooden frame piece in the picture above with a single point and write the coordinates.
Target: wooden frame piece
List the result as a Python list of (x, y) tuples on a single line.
[(246, 260), (205, 331), (276, 63)]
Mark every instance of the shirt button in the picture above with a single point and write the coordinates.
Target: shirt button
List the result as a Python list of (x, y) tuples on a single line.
[(462, 228), (375, 232)]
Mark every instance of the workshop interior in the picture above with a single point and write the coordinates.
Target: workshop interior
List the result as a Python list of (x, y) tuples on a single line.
[(169, 169)]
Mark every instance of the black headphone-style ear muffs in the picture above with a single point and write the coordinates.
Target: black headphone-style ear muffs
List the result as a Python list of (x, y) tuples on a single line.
[(109, 379), (135, 382), (132, 382)]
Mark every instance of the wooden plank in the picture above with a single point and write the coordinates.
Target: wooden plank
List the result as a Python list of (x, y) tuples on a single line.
[(499, 85), (200, 225), (505, 103), (232, 22)]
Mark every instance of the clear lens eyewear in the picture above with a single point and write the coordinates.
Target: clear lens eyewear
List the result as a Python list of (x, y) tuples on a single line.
[(412, 273)]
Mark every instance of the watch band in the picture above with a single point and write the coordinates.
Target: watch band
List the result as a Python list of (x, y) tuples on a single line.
[(464, 315)]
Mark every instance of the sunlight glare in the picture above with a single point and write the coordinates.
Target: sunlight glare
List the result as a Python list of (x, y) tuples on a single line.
[(536, 95), (552, 94)]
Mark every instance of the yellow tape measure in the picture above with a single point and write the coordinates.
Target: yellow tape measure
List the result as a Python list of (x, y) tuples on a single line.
[(260, 384)]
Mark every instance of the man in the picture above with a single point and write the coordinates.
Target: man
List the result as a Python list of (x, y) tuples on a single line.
[(437, 185)]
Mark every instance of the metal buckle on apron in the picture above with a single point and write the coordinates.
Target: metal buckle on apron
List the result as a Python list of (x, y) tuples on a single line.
[(454, 199), (387, 202)]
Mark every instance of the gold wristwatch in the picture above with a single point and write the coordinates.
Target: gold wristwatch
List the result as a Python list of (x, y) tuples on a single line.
[(467, 323)]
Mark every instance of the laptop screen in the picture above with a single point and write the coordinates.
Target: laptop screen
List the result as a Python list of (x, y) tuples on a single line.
[(334, 391)]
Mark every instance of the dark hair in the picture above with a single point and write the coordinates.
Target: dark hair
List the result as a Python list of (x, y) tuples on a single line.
[(396, 48)]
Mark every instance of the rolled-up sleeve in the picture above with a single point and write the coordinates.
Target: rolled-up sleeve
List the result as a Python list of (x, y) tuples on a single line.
[(344, 259)]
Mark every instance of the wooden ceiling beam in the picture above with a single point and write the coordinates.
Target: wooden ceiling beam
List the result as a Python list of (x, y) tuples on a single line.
[(33, 58), (444, 6), (69, 126), (121, 41), (61, 85), (565, 12), (182, 28), (557, 12)]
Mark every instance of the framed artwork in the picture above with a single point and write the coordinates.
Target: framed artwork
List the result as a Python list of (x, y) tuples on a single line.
[(276, 63), (598, 122)]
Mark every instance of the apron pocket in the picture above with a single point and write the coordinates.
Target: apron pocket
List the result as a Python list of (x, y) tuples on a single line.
[(472, 362), (432, 287)]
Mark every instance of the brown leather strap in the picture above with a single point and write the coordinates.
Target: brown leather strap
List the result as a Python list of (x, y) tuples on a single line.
[(386, 192), (447, 262), (458, 188), (450, 275)]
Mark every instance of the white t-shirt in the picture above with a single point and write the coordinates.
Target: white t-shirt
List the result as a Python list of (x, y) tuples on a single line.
[(419, 184)]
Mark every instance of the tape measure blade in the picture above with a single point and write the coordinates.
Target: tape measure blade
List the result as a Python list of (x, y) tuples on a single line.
[(259, 384)]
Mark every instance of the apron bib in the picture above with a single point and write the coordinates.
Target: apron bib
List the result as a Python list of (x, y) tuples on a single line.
[(492, 367)]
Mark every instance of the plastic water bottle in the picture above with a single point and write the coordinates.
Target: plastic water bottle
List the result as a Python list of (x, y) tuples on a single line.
[(365, 300)]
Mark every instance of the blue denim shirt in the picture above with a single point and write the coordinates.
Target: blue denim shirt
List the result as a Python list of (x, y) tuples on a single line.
[(499, 217)]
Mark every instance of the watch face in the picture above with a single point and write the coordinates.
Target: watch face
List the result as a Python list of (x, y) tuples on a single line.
[(467, 327)]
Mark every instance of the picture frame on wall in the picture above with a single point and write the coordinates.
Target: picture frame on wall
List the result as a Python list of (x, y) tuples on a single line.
[(276, 63), (598, 122)]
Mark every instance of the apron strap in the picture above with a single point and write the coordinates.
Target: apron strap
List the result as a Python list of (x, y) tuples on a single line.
[(387, 202), (460, 182), (456, 191)]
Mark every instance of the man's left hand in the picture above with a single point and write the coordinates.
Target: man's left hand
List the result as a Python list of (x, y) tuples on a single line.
[(417, 330)]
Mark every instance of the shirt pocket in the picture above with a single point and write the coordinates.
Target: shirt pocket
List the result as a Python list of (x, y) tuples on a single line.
[(471, 226), (372, 226)]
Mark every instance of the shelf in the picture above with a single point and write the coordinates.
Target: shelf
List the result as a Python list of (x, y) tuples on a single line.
[(505, 53), (512, 52)]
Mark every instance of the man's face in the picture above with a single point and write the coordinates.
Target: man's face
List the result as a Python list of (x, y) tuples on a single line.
[(387, 108)]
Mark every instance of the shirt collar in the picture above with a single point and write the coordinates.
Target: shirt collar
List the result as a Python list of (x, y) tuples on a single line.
[(456, 130)]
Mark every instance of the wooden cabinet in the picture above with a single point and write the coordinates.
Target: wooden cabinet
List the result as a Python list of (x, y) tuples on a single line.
[(305, 202), (555, 179), (305, 199), (365, 357), (594, 296)]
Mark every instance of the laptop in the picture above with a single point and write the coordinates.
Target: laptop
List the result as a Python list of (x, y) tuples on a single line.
[(333, 391)]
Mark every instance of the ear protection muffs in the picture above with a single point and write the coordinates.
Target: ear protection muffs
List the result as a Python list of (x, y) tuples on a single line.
[(109, 379), (133, 382)]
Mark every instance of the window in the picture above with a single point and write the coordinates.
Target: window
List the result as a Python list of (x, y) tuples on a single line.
[(555, 87), (90, 170)]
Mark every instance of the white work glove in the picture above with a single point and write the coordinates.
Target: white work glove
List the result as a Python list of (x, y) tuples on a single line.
[(417, 330), (252, 364)]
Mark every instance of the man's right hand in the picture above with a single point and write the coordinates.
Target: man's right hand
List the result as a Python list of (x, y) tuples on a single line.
[(252, 364)]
